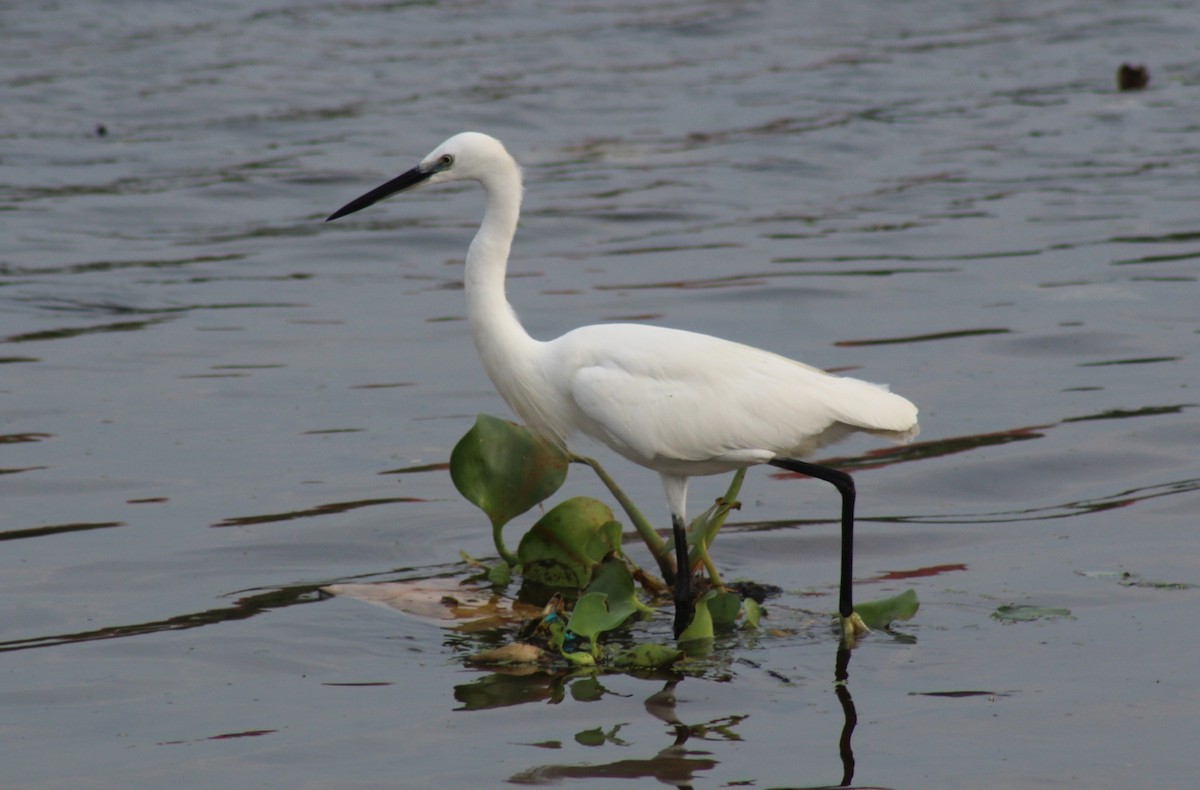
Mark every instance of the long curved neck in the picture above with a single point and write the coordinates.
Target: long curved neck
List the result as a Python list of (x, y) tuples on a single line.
[(487, 257), (505, 348)]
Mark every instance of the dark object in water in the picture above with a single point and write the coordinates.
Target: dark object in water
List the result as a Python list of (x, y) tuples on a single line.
[(1132, 78)]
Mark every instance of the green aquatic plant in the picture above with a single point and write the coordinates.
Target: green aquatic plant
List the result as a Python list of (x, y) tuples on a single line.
[(504, 470), (575, 549)]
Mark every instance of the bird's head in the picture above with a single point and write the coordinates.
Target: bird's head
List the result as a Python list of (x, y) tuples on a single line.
[(466, 156)]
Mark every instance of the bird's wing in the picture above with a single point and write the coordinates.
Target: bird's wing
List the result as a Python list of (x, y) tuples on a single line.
[(667, 394)]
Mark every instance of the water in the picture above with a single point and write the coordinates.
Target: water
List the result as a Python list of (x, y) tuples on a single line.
[(212, 401)]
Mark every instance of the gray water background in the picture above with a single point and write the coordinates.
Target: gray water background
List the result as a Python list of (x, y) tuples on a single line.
[(213, 403)]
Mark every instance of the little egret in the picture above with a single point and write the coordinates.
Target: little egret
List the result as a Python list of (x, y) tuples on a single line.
[(677, 402)]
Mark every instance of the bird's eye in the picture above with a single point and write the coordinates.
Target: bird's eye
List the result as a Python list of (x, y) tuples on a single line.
[(445, 160)]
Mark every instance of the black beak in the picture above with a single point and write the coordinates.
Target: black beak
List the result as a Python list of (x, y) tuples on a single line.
[(398, 184)]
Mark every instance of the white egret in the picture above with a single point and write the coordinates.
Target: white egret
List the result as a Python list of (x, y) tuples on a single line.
[(677, 402)]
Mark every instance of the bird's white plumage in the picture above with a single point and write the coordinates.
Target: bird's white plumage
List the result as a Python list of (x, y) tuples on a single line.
[(677, 402), (692, 404)]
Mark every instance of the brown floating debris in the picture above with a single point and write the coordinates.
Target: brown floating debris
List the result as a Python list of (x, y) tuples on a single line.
[(1132, 78)]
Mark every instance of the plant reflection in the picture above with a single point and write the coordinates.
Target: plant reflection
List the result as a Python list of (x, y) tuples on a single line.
[(678, 764), (511, 687)]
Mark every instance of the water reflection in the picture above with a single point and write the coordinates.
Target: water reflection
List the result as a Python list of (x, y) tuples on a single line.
[(330, 508), (56, 529), (959, 333), (9, 270), (755, 279), (841, 675), (242, 608), (952, 445), (679, 763), (157, 316), (934, 448), (516, 686), (1120, 414), (64, 333), (1119, 499), (674, 765)]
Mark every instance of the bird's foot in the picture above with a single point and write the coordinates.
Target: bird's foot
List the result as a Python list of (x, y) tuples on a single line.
[(852, 628)]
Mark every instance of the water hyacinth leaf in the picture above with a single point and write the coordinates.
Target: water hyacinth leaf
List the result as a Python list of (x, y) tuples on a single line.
[(754, 612), (724, 607), (883, 612), (612, 577), (595, 613), (660, 550), (500, 575), (563, 548), (702, 622), (504, 470), (1018, 613)]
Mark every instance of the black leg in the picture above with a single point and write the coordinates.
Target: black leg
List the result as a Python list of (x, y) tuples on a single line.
[(845, 484), (685, 608)]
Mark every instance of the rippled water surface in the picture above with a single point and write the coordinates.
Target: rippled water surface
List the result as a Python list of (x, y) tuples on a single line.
[(214, 404)]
